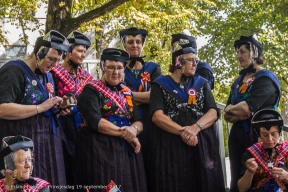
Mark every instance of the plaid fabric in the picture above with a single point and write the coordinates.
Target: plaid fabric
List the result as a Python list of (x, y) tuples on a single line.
[(82, 78), (39, 185), (258, 152), (118, 98)]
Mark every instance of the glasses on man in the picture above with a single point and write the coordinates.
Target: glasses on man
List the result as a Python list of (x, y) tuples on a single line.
[(28, 160), (53, 60), (112, 68)]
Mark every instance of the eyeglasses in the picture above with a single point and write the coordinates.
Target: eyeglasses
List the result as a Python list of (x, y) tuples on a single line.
[(192, 61), (28, 160), (112, 68), (53, 60)]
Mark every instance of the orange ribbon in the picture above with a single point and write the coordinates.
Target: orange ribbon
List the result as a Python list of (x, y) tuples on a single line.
[(145, 78)]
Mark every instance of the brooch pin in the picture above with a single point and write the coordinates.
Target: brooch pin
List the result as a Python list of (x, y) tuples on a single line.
[(175, 91), (34, 82)]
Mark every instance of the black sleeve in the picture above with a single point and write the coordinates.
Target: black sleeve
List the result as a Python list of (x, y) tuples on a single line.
[(89, 107), (263, 94), (209, 101), (156, 99), (245, 157), (156, 73), (12, 85)]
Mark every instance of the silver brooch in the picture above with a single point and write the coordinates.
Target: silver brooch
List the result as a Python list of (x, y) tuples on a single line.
[(34, 82), (175, 91), (181, 86)]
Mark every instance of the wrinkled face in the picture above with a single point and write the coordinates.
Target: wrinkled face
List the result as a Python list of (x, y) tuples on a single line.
[(23, 163), (51, 59), (190, 64), (133, 45), (78, 54), (270, 138), (243, 56), (114, 71)]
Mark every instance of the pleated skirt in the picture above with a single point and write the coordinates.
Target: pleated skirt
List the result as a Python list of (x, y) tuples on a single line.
[(101, 158), (175, 166)]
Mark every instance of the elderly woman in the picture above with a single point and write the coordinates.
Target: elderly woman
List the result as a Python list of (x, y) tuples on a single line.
[(138, 77), (256, 88), (107, 146), (184, 156), (265, 164), (16, 163), (69, 80), (27, 104)]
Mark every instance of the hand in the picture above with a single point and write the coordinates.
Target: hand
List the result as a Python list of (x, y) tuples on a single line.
[(66, 111), (129, 135), (251, 165), (190, 131), (46, 105), (192, 141), (279, 173)]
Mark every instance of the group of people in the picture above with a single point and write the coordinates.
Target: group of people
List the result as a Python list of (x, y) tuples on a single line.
[(135, 126)]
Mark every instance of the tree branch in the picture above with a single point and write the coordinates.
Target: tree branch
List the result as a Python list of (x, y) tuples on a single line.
[(74, 23)]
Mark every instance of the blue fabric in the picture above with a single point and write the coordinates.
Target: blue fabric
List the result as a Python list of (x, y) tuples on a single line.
[(237, 97), (122, 121), (47, 78), (133, 83), (77, 117), (269, 183), (169, 85)]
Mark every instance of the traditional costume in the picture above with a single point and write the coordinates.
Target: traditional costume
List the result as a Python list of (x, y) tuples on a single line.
[(140, 81), (262, 91), (263, 180), (11, 144), (68, 84), (175, 166), (100, 158), (21, 85)]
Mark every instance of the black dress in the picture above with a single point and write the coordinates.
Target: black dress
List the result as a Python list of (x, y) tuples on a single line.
[(261, 94), (175, 166), (100, 158), (18, 88)]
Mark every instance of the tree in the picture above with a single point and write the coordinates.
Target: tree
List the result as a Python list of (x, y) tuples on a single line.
[(222, 22)]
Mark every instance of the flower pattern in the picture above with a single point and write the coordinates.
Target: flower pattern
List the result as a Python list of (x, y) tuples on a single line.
[(32, 94), (171, 104), (61, 88)]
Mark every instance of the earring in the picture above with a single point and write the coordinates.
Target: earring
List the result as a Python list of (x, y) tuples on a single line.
[(103, 77), (14, 174)]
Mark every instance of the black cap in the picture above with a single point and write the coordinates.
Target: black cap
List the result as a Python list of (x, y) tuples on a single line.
[(133, 31), (266, 118), (247, 40), (52, 39), (79, 39), (115, 55), (13, 143)]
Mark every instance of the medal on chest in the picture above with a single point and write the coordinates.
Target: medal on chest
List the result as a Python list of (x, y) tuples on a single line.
[(192, 96)]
